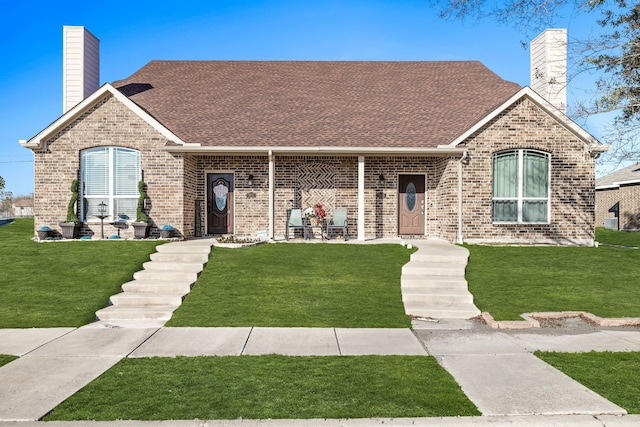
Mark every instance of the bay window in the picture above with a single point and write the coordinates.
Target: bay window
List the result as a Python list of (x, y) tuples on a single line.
[(109, 175), (521, 180)]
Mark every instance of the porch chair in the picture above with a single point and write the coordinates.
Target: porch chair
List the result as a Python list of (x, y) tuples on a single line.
[(294, 220), (338, 222)]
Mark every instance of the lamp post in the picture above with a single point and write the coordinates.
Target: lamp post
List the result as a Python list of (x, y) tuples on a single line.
[(102, 214)]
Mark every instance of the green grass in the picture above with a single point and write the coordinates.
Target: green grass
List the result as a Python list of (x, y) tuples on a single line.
[(612, 375), (615, 237), (268, 387), (6, 358), (54, 284), (319, 285), (507, 281)]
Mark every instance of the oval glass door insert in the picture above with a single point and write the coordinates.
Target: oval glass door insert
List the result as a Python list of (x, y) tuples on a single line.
[(221, 191), (410, 197)]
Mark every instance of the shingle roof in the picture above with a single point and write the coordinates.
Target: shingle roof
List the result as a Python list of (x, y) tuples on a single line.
[(326, 104), (630, 173)]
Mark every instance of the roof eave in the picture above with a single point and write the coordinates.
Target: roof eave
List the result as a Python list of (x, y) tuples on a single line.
[(38, 142), (595, 146), (324, 150)]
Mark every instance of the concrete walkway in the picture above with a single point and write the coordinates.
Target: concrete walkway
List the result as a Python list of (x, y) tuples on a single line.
[(433, 283), (495, 369)]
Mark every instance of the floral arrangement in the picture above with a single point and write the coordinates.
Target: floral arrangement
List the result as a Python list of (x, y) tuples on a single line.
[(316, 213)]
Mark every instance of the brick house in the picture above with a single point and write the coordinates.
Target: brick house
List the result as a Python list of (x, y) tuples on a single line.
[(618, 199), (416, 149)]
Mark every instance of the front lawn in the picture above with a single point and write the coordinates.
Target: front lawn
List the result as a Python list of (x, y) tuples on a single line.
[(53, 284), (262, 387), (310, 285), (614, 376), (507, 281)]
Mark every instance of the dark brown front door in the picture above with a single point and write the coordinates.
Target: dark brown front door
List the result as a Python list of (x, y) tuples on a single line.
[(411, 204), (219, 203)]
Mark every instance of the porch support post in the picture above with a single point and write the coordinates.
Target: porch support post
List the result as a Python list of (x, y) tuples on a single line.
[(459, 238), (272, 176), (361, 214)]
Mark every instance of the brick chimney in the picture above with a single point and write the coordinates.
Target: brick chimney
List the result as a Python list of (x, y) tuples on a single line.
[(80, 65), (549, 66)]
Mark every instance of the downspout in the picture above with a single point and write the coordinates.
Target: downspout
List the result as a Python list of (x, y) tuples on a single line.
[(272, 176), (361, 198)]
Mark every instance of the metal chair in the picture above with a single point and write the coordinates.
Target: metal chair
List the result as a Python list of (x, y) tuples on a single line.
[(294, 220), (339, 222)]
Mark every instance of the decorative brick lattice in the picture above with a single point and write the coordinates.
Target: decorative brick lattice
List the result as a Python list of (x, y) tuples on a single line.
[(316, 184)]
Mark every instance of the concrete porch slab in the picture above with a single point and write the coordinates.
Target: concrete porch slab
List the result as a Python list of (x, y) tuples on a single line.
[(93, 342), (380, 341), (522, 384), (292, 342), (32, 386), (171, 342), (19, 342)]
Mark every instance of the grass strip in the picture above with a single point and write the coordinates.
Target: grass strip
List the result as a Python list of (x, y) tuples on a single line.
[(304, 285), (6, 358), (614, 376), (53, 284), (268, 387), (508, 281), (615, 237)]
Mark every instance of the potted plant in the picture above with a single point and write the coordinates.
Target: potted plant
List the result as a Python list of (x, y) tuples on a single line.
[(71, 228), (141, 225), (44, 232), (166, 231)]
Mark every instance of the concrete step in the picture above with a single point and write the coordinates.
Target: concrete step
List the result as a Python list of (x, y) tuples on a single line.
[(196, 247), (409, 281), (460, 258), (114, 312), (165, 276), (163, 287), (185, 267), (180, 257), (442, 311), (146, 299), (438, 296), (433, 268)]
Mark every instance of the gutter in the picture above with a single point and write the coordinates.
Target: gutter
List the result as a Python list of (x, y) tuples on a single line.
[(196, 148)]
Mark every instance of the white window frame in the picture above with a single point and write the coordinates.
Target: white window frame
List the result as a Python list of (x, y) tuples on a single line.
[(109, 198), (520, 198)]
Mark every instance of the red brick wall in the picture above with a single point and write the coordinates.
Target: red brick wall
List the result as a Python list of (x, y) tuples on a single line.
[(524, 125), (108, 123)]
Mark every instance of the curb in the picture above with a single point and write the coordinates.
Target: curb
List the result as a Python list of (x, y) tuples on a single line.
[(532, 320)]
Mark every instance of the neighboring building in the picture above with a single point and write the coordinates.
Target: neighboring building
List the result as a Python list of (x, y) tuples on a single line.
[(618, 199), (22, 207), (417, 149)]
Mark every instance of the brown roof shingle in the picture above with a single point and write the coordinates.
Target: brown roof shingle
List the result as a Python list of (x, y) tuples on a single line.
[(320, 103)]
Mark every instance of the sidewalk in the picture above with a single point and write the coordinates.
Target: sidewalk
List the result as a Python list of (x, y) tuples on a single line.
[(495, 369)]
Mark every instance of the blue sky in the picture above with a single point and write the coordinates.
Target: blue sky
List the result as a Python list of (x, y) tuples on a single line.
[(134, 32)]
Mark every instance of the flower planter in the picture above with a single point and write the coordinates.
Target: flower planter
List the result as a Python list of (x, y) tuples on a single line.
[(43, 233), (166, 231), (140, 230), (70, 230)]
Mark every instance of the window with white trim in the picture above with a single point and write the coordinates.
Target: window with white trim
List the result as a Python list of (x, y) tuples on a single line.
[(109, 175), (521, 186)]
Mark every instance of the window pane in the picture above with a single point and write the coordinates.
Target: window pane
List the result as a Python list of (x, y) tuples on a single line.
[(536, 174), (505, 210), (95, 172), (534, 211), (125, 209), (505, 174), (92, 209), (126, 175)]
